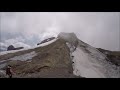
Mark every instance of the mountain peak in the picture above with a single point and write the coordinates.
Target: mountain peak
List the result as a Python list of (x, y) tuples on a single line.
[(64, 56), (69, 37)]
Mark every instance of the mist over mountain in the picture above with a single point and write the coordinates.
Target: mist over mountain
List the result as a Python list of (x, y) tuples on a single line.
[(99, 29)]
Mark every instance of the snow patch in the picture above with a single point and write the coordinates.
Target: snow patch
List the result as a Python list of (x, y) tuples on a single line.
[(47, 43), (12, 51), (24, 57), (71, 47), (91, 63)]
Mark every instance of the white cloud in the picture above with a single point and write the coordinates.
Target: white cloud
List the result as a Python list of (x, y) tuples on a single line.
[(21, 44), (3, 46), (94, 28), (52, 31), (16, 42)]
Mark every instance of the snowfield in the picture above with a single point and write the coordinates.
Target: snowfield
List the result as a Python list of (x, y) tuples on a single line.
[(88, 61), (93, 65), (83, 66), (12, 51), (25, 57)]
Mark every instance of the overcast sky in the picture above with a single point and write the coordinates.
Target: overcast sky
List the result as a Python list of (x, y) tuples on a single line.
[(99, 29)]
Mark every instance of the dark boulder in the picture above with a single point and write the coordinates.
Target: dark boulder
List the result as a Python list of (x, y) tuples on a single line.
[(11, 47)]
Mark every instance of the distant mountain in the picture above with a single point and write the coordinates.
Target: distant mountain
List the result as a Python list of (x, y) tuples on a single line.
[(11, 47), (63, 57)]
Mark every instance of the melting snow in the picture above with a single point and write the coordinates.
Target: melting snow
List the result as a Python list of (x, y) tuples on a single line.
[(71, 47), (84, 67), (89, 62), (24, 57), (93, 65), (12, 51)]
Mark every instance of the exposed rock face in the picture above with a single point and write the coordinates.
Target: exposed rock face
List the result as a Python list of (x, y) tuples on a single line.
[(46, 40), (11, 47), (113, 56)]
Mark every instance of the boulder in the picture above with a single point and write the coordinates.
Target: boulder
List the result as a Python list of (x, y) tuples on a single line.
[(11, 47)]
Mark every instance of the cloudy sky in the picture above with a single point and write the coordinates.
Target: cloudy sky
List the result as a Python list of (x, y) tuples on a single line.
[(99, 29)]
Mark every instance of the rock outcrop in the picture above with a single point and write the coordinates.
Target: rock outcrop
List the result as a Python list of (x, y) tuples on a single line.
[(11, 47), (46, 40), (113, 56)]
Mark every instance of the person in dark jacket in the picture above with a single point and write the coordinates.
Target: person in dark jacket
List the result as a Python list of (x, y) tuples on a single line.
[(9, 71)]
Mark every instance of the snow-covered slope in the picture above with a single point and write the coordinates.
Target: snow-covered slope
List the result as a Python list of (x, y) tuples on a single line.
[(88, 61), (85, 66)]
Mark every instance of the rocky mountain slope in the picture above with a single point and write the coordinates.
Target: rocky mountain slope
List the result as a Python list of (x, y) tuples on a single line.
[(113, 56), (52, 60), (63, 57)]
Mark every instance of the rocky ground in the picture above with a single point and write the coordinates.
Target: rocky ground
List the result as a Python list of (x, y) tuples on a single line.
[(52, 61), (113, 56)]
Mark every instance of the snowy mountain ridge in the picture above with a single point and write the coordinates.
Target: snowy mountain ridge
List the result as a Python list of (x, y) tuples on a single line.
[(87, 61)]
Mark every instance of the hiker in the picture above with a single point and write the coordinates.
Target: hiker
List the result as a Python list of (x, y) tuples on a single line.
[(9, 71)]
